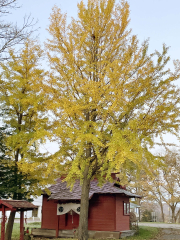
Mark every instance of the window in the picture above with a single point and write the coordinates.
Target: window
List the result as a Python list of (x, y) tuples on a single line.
[(137, 210), (126, 208)]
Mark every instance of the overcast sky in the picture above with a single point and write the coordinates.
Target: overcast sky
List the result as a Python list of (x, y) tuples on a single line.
[(158, 20)]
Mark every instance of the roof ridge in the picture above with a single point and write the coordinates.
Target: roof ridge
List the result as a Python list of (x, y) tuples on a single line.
[(61, 191), (14, 200)]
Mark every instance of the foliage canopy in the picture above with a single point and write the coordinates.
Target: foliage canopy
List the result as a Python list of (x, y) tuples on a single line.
[(108, 95), (22, 110), (110, 98)]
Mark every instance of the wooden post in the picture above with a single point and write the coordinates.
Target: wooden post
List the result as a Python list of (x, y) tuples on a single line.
[(21, 225), (3, 223), (57, 227)]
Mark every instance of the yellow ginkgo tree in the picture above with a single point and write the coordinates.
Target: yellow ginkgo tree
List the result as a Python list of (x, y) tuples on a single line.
[(22, 109), (108, 96)]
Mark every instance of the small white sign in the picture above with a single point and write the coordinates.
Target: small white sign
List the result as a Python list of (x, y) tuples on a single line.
[(67, 207)]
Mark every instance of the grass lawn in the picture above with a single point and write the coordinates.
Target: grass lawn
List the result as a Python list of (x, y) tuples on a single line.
[(16, 229), (144, 232)]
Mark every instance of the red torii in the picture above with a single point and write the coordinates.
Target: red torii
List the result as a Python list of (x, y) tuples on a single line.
[(14, 205)]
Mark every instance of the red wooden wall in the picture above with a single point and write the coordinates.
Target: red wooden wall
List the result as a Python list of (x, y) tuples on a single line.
[(50, 218), (49, 213), (105, 214), (102, 213), (122, 222)]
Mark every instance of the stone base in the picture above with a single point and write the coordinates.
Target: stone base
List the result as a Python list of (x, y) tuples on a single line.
[(127, 233), (39, 232)]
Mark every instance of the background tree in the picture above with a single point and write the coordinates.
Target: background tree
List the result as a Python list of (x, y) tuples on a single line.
[(10, 34), (4, 168), (145, 181), (151, 188), (146, 216), (162, 185), (110, 98), (22, 106), (13, 183), (170, 182)]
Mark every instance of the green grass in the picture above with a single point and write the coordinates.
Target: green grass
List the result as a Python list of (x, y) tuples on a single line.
[(143, 234), (16, 229)]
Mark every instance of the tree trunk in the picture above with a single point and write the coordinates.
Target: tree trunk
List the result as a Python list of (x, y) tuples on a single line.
[(83, 221), (139, 203), (177, 217), (10, 223), (9, 227), (162, 212), (173, 214)]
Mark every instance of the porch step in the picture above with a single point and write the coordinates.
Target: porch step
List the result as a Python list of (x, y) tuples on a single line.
[(66, 233), (39, 232), (127, 233), (66, 236)]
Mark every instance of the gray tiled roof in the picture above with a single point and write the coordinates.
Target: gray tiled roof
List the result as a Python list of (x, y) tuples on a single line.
[(19, 204), (60, 191)]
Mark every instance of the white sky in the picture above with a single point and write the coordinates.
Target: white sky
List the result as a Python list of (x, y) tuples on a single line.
[(158, 20)]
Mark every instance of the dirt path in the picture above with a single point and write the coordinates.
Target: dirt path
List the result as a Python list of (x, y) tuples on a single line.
[(169, 231), (169, 234), (160, 225)]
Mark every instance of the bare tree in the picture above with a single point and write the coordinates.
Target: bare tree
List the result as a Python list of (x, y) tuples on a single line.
[(163, 184), (171, 182), (11, 34)]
